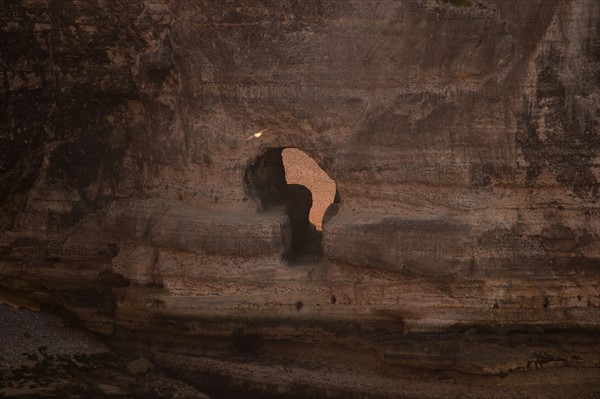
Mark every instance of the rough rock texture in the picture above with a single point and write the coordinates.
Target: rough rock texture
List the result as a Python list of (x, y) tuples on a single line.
[(463, 137)]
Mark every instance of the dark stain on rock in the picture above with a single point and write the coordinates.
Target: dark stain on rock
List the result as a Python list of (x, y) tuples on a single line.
[(62, 92), (458, 3), (158, 64), (559, 133), (112, 279), (246, 343), (559, 238)]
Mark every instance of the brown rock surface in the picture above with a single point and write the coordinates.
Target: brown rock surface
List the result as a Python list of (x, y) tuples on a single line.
[(463, 138)]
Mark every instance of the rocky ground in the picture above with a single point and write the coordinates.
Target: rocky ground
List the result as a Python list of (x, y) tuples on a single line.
[(40, 357)]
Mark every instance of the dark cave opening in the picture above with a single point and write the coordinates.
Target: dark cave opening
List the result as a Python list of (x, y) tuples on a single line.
[(297, 183)]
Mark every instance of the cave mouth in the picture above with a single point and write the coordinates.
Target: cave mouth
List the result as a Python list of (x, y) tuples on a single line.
[(290, 178)]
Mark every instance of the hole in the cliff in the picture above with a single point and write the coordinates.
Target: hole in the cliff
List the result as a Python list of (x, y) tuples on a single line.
[(290, 178)]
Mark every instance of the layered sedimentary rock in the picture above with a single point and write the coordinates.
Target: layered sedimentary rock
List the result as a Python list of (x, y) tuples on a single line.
[(463, 139)]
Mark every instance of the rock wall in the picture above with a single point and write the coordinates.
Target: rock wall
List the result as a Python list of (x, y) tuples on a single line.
[(463, 137)]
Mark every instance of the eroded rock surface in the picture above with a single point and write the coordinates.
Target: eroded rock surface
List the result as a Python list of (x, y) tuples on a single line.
[(463, 137)]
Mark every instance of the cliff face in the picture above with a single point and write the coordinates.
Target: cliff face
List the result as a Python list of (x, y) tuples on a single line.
[(463, 137)]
